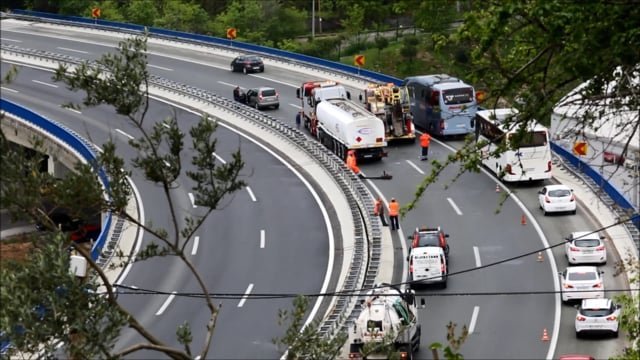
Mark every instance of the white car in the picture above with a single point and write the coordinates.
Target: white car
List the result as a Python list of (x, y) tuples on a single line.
[(557, 198), (581, 282), (585, 247), (597, 315)]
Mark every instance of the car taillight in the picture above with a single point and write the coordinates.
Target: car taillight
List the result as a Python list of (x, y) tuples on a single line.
[(509, 169), (573, 197), (612, 318), (568, 286), (415, 243), (598, 285), (404, 355), (277, 95), (411, 266), (548, 166), (409, 130), (260, 97), (442, 268), (581, 318), (600, 248), (547, 200), (379, 139), (354, 356), (573, 248)]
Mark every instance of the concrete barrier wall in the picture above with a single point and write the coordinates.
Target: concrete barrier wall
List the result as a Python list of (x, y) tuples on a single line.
[(72, 140)]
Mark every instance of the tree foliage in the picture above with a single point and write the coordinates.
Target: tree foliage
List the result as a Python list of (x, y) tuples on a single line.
[(120, 80)]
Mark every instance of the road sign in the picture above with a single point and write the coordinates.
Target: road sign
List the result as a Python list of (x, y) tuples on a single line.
[(231, 33), (359, 60), (580, 148), (95, 12)]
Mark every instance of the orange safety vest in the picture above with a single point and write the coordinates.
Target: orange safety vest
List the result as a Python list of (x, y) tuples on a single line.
[(394, 208), (377, 207), (425, 139), (351, 163)]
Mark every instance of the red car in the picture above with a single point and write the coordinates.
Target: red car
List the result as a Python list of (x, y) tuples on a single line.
[(576, 357), (426, 236)]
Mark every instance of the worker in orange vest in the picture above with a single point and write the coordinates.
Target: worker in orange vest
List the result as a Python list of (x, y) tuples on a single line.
[(425, 140), (378, 209), (351, 163), (394, 211)]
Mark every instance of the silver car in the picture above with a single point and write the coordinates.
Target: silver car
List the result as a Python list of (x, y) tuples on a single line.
[(263, 97), (581, 282), (585, 247), (597, 315)]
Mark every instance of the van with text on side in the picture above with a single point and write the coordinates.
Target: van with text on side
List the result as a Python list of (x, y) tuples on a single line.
[(427, 265), (442, 105)]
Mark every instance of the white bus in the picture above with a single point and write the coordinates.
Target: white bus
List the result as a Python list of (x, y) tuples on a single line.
[(529, 162)]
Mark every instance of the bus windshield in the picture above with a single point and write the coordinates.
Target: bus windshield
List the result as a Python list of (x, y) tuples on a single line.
[(530, 139), (457, 96)]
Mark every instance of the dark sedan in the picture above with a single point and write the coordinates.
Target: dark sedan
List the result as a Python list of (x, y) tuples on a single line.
[(247, 64)]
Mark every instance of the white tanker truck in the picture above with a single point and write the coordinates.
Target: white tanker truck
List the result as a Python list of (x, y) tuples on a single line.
[(340, 124)]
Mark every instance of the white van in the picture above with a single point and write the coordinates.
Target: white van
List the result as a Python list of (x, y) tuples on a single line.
[(427, 265)]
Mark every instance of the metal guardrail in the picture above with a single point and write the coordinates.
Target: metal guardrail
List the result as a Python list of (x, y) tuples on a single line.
[(365, 260), (73, 140)]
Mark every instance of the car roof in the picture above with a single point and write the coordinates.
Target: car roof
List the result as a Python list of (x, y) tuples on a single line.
[(577, 269), (596, 303), (558, 187), (583, 235), (428, 250)]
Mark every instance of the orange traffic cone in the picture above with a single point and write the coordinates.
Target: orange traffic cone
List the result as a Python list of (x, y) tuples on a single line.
[(523, 220), (497, 188), (545, 335), (540, 259)]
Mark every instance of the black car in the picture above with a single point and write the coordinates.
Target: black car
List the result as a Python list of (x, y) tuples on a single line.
[(247, 64)]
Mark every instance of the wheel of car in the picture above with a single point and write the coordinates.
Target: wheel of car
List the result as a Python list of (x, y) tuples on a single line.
[(573, 212), (233, 68), (615, 334), (578, 335), (444, 285), (276, 106), (257, 106), (244, 70), (544, 212)]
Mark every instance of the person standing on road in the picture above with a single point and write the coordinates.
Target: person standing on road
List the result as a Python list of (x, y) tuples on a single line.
[(425, 141), (298, 119), (351, 163), (394, 211), (378, 209)]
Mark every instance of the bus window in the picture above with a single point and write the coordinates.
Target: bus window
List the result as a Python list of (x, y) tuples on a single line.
[(457, 96), (530, 139)]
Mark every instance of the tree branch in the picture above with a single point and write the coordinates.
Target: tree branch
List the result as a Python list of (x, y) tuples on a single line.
[(173, 353)]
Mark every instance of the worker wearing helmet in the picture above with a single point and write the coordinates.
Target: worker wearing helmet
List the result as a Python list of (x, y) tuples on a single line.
[(378, 210), (425, 140), (394, 211)]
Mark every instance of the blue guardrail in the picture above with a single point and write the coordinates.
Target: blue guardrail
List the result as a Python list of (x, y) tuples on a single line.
[(73, 140)]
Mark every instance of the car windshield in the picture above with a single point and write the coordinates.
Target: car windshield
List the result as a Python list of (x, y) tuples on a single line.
[(587, 242), (268, 92), (559, 193), (582, 276), (596, 312), (428, 239)]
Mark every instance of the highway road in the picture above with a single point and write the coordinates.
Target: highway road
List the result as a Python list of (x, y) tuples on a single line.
[(251, 243), (503, 326)]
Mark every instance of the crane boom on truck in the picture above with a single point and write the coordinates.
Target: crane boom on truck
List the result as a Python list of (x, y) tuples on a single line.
[(391, 104), (387, 323), (338, 123)]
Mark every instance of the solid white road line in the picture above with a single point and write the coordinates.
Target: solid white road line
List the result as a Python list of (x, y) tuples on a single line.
[(226, 83), (166, 125), (166, 163), (44, 83), (196, 242), (7, 39), (193, 200), (159, 67), (246, 294), (219, 158), (7, 89), (454, 206), (125, 134), (474, 319), (415, 166), (262, 238), (166, 303), (253, 197), (476, 253), (73, 50)]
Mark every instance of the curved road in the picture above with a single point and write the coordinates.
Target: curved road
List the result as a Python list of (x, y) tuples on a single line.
[(504, 326)]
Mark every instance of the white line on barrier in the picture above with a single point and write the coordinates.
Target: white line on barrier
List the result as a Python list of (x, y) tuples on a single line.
[(476, 253), (415, 166), (474, 319), (159, 67), (44, 83), (73, 50), (125, 134), (246, 294), (454, 206), (166, 303), (193, 200), (253, 197), (196, 242), (219, 158), (262, 239)]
